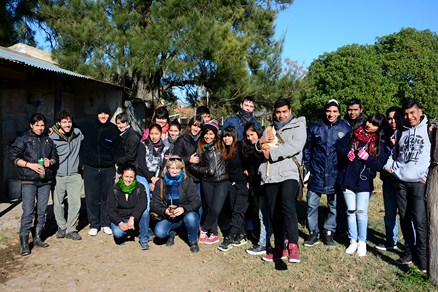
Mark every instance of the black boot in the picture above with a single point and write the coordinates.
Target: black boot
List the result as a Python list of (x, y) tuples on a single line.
[(37, 241), (24, 241)]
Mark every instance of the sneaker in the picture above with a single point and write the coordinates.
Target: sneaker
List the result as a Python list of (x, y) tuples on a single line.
[(387, 247), (92, 231), (60, 233), (202, 236), (351, 249), (278, 253), (74, 235), (144, 246), (328, 236), (406, 259), (362, 248), (170, 241), (227, 244), (212, 239), (239, 240), (194, 248), (294, 253), (256, 250), (313, 239), (107, 230)]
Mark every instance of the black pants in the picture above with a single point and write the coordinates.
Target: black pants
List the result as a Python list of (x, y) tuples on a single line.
[(239, 204), (281, 199), (411, 203), (97, 182), (214, 194)]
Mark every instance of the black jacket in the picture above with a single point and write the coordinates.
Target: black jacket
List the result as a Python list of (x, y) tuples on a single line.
[(30, 148), (235, 167), (189, 198), (211, 167), (184, 147), (130, 140), (119, 208), (101, 145)]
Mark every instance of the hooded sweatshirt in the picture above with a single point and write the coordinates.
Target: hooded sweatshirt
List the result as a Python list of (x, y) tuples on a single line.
[(410, 159)]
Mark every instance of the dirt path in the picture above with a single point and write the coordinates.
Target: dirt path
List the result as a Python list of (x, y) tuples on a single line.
[(97, 264)]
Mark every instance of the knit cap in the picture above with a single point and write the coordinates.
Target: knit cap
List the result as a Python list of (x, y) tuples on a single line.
[(211, 125)]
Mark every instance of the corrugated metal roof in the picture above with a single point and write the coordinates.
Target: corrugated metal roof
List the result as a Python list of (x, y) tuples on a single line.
[(26, 60)]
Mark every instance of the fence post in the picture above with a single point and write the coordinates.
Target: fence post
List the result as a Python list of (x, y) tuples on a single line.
[(432, 209)]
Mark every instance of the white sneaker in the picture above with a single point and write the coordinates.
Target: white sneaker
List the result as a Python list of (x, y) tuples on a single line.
[(92, 232), (362, 249), (107, 230), (352, 248)]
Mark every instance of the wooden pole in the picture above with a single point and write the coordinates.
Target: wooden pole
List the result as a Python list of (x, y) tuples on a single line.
[(432, 210)]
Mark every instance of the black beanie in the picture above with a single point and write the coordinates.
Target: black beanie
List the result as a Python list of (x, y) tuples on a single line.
[(103, 108)]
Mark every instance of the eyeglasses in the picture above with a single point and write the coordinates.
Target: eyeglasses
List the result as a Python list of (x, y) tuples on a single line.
[(175, 158)]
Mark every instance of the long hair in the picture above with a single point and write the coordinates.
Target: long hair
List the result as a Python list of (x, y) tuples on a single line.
[(151, 127), (228, 152), (247, 147), (379, 121), (196, 120), (201, 141)]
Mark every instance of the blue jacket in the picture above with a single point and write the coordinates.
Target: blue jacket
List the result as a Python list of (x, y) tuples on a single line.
[(358, 175), (238, 125), (320, 155)]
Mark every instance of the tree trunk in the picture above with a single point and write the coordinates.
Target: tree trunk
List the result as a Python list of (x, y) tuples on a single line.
[(432, 209)]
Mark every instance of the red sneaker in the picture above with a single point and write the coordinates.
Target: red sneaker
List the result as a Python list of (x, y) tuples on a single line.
[(202, 236), (278, 253), (212, 239), (294, 254)]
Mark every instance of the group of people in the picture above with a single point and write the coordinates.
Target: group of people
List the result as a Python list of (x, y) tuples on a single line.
[(171, 179)]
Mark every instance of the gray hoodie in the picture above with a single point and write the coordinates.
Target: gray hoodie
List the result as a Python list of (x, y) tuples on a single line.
[(282, 167), (410, 158), (68, 152)]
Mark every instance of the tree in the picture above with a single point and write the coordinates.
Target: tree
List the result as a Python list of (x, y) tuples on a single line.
[(397, 67), (153, 47)]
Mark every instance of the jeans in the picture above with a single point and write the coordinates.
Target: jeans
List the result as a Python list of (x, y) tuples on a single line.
[(281, 199), (214, 194), (142, 226), (33, 194), (357, 214), (390, 219), (239, 204), (265, 223), (71, 186), (313, 201), (167, 227), (145, 183), (97, 182), (411, 204)]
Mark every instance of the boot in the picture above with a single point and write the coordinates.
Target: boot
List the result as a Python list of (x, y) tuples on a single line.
[(24, 241), (37, 240)]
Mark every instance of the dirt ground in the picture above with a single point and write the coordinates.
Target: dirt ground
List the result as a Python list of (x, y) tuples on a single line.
[(97, 264)]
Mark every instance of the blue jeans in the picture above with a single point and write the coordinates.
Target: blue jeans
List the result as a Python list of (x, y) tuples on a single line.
[(33, 195), (265, 224), (390, 219), (167, 227), (313, 201), (142, 226), (144, 181), (357, 214)]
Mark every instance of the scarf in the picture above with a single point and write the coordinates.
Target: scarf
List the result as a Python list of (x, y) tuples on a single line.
[(171, 141), (159, 145), (360, 136), (66, 137), (195, 138), (127, 189), (244, 116), (173, 182), (278, 125), (209, 146)]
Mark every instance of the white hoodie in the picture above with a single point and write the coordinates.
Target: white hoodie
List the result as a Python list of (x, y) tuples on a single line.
[(410, 158)]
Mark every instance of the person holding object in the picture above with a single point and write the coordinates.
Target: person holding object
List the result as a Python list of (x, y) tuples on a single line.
[(127, 202), (362, 152), (176, 202), (25, 153)]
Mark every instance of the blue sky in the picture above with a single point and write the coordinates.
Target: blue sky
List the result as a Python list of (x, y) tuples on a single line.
[(314, 27)]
